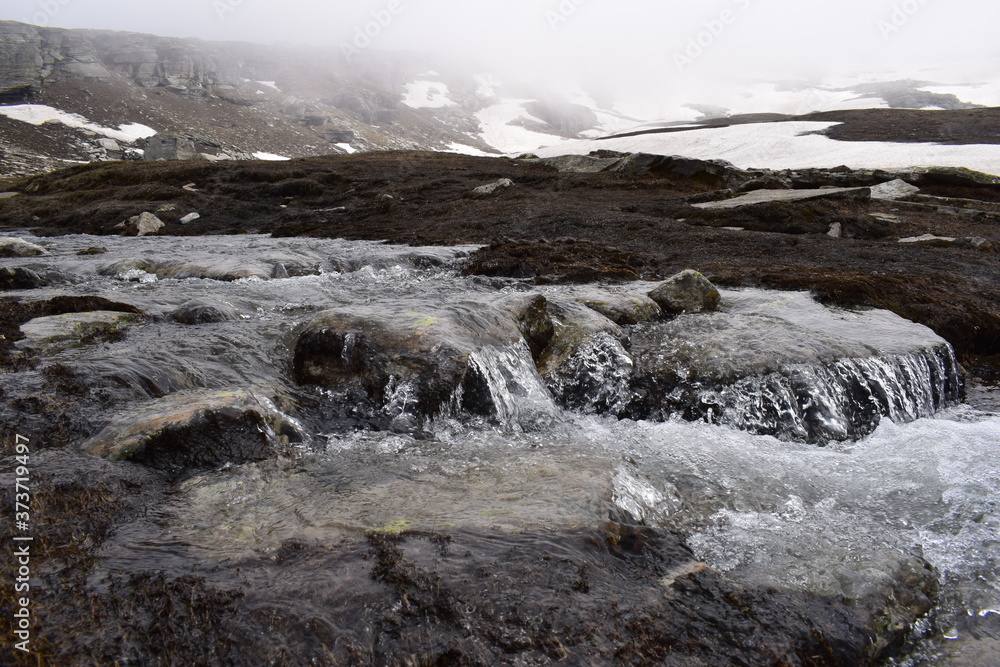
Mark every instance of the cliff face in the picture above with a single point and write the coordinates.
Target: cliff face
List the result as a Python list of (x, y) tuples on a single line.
[(31, 57)]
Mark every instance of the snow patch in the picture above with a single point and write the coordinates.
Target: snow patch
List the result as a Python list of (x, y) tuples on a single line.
[(497, 130), (427, 95), (347, 148), (38, 114), (270, 156), (270, 84), (468, 150)]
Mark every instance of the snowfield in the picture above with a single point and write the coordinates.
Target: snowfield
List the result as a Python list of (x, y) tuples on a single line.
[(790, 145)]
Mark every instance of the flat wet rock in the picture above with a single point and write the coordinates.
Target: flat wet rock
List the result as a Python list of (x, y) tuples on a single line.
[(51, 334), (191, 430)]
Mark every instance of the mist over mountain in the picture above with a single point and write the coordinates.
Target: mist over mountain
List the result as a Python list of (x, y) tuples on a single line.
[(84, 94)]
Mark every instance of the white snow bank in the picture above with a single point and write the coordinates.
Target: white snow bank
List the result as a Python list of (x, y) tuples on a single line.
[(347, 148), (37, 114), (468, 150), (427, 95), (270, 156), (785, 146), (498, 132)]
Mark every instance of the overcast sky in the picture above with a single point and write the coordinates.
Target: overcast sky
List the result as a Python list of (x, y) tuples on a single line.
[(624, 40)]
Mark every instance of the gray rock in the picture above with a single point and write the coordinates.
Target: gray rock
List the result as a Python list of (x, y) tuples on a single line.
[(486, 190), (836, 230), (19, 278), (579, 164), (144, 224), (717, 174), (204, 311), (929, 238), (14, 247), (767, 196), (48, 335), (20, 61), (8, 195), (688, 291), (622, 309), (892, 190), (202, 429), (413, 361), (170, 147)]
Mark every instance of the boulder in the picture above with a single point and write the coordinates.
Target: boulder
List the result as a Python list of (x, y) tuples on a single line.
[(144, 224), (686, 292), (574, 325), (19, 278), (54, 333), (170, 147), (586, 366), (200, 429), (204, 311), (15, 247), (492, 188), (621, 308), (892, 190), (409, 363)]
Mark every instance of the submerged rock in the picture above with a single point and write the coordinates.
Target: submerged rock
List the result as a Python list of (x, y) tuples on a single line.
[(686, 292), (203, 429), (204, 311), (15, 247), (19, 278), (54, 333)]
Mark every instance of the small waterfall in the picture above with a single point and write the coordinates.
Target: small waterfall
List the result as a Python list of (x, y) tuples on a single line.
[(503, 384), (596, 379), (842, 400)]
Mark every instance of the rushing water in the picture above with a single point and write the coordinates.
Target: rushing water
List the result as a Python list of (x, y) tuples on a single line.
[(765, 507)]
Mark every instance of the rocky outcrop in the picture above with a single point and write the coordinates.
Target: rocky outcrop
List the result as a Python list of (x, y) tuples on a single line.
[(686, 292), (203, 429), (20, 61), (779, 196)]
